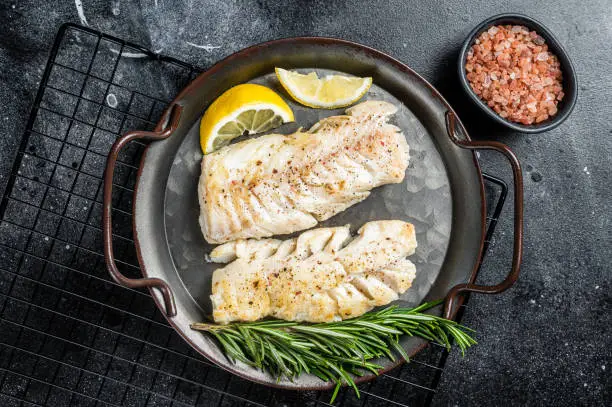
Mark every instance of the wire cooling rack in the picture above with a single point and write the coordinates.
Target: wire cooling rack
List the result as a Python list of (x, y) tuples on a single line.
[(71, 336)]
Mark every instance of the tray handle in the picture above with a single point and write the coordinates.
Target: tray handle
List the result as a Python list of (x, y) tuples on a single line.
[(163, 130), (517, 254)]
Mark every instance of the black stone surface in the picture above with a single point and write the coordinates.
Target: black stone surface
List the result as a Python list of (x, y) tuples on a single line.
[(547, 341)]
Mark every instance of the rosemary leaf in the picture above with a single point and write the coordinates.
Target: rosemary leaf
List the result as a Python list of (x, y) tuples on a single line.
[(335, 351)]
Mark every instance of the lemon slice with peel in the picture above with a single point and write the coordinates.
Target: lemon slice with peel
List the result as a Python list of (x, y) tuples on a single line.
[(330, 92), (243, 109)]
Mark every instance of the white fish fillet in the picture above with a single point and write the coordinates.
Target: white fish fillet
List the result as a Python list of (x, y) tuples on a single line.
[(315, 277), (279, 184)]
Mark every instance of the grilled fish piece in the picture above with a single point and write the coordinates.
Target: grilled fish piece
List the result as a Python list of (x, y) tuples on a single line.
[(279, 184), (320, 276)]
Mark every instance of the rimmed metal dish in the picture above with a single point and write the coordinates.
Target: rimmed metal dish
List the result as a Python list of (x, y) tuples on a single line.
[(442, 195)]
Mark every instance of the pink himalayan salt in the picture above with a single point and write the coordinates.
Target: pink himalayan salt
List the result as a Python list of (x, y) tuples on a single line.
[(511, 69)]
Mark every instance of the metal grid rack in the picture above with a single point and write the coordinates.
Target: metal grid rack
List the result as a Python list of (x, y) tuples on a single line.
[(71, 336)]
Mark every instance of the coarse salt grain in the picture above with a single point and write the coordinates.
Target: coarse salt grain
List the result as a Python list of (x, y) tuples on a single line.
[(511, 69)]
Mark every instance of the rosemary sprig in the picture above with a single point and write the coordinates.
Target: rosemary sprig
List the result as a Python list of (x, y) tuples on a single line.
[(333, 351)]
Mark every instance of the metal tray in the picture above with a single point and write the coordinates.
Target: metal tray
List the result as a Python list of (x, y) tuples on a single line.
[(442, 195)]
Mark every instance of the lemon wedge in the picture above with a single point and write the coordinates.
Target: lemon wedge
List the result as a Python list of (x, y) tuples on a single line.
[(330, 92), (243, 109)]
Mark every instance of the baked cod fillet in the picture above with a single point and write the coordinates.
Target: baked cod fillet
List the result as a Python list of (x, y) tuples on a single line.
[(322, 275), (279, 184)]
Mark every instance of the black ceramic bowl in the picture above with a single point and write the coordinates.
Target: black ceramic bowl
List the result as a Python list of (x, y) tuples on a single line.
[(570, 86)]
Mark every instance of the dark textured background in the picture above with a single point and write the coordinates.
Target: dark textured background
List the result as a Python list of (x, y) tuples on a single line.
[(544, 342)]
